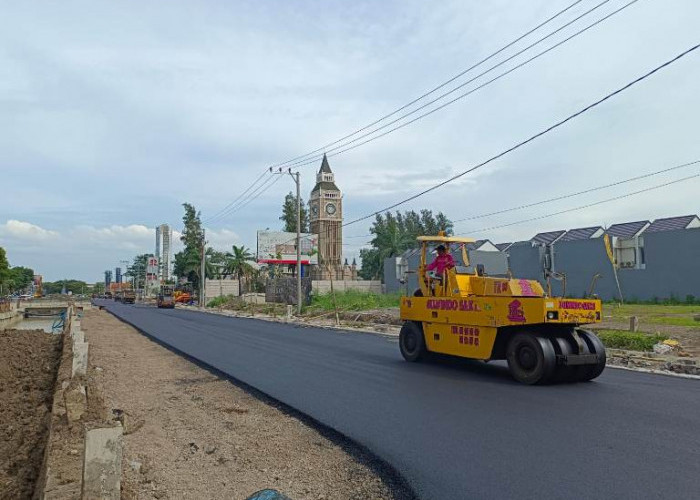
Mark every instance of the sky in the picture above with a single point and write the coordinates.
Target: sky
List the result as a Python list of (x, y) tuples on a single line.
[(113, 114)]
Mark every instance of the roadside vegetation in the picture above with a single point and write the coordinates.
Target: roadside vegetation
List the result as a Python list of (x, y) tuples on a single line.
[(633, 341), (655, 314), (353, 300), (232, 303)]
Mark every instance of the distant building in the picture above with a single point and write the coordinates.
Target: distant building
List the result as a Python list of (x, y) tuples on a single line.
[(163, 250)]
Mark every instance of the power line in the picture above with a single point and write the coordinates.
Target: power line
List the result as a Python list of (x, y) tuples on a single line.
[(217, 214), (221, 213), (339, 149), (426, 94), (531, 138), (578, 193), (266, 184), (257, 195), (568, 210), (583, 206)]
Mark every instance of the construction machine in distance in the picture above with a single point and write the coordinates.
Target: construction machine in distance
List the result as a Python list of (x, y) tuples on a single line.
[(165, 298), (466, 313), (128, 296)]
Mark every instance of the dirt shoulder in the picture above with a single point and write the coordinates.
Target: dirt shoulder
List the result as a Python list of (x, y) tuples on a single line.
[(191, 434), (28, 365)]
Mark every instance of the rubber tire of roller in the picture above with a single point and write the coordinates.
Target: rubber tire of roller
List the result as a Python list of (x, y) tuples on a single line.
[(563, 373), (545, 358), (595, 346), (412, 342)]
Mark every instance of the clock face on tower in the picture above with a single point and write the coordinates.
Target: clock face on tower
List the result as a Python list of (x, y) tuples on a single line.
[(330, 209)]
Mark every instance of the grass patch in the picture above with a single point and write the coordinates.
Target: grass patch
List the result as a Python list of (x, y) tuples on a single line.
[(220, 301), (674, 320), (353, 300), (633, 341), (648, 310)]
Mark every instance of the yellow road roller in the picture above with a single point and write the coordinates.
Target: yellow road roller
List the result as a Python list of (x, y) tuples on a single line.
[(461, 311)]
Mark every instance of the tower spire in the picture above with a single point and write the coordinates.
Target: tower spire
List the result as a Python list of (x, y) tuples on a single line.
[(325, 167)]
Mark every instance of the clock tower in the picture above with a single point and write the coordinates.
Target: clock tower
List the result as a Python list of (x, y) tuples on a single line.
[(326, 220)]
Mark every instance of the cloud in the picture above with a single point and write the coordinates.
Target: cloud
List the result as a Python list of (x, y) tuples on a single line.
[(26, 231), (222, 239), (131, 237), (127, 129)]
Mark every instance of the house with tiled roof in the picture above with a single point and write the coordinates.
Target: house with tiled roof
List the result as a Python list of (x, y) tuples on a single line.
[(583, 233)]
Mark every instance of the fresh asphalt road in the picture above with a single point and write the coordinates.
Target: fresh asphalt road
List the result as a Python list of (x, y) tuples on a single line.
[(459, 429)]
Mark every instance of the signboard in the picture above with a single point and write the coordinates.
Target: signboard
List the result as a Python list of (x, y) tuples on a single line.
[(279, 247), (152, 270)]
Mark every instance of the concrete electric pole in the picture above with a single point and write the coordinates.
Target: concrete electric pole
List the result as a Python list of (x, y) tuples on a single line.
[(295, 176), (203, 272)]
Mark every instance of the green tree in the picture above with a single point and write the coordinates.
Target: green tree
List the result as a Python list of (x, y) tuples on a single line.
[(76, 287), (237, 263), (289, 214), (187, 262), (137, 270), (21, 277), (396, 233), (4, 272)]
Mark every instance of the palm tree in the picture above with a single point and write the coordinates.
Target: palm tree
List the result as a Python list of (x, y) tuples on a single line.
[(237, 263)]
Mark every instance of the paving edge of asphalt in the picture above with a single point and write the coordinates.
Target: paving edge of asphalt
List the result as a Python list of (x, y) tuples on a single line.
[(394, 336), (654, 372), (394, 480)]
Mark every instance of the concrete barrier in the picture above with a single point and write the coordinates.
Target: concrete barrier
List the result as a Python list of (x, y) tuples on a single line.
[(102, 465), (78, 336), (80, 359)]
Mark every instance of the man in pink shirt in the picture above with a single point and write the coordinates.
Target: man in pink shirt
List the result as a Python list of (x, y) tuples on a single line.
[(442, 262)]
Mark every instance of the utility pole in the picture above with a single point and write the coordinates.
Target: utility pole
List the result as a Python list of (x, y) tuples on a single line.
[(202, 273), (296, 179), (295, 176)]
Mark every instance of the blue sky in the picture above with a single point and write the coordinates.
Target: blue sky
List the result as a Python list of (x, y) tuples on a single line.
[(112, 114)]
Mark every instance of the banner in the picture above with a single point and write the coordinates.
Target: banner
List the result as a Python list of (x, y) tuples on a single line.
[(279, 247)]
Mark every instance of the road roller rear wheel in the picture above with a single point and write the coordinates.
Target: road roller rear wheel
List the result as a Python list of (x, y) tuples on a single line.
[(563, 373), (412, 342), (531, 358), (594, 346)]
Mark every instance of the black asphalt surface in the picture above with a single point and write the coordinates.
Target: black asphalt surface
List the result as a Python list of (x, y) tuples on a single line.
[(459, 429)]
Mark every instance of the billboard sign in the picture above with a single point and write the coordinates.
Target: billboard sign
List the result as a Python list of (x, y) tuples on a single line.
[(279, 247), (152, 269)]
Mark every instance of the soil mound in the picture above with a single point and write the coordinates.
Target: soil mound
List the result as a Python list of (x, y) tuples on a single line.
[(28, 365)]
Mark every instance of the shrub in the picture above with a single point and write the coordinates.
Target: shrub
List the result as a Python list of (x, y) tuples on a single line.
[(634, 341), (219, 301)]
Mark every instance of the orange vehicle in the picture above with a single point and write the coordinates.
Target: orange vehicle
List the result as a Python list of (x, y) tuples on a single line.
[(182, 297)]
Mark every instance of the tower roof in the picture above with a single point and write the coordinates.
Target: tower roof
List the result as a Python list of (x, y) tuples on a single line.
[(325, 167), (327, 185)]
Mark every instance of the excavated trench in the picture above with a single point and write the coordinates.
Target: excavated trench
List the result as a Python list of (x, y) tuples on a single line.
[(29, 362)]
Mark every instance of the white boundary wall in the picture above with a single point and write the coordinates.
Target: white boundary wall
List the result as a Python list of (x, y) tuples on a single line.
[(217, 288), (324, 286)]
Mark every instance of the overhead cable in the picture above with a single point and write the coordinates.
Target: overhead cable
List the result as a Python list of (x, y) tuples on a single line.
[(342, 147), (531, 138), (442, 85), (608, 200), (577, 193)]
